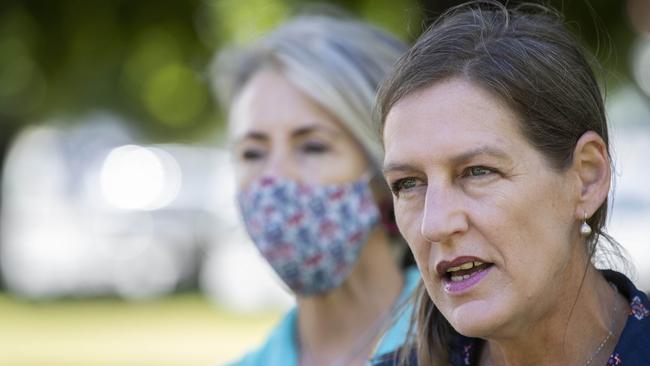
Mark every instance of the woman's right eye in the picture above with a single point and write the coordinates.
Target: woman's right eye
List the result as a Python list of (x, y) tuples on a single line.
[(252, 154), (403, 184)]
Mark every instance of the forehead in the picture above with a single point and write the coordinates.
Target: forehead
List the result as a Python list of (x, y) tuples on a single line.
[(447, 118), (269, 102)]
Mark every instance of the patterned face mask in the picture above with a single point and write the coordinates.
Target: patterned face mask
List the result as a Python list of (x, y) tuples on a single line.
[(311, 235)]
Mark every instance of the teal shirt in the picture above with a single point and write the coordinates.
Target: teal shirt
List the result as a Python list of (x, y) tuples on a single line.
[(281, 349)]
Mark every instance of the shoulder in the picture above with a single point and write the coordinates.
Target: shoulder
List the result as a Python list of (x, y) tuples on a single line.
[(278, 349)]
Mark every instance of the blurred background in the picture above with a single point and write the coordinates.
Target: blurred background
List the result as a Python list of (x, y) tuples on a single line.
[(120, 243)]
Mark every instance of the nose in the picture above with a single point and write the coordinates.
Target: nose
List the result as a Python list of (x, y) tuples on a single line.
[(443, 215), (281, 164)]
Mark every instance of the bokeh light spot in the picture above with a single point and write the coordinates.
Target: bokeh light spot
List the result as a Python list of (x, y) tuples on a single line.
[(259, 16), (175, 95), (135, 177), (152, 49)]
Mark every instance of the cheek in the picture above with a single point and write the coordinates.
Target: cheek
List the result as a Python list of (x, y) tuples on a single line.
[(404, 218), (245, 174), (342, 164), (431, 290), (409, 218), (434, 289), (528, 229)]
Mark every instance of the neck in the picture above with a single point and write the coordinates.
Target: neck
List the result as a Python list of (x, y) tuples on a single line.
[(333, 324), (576, 332)]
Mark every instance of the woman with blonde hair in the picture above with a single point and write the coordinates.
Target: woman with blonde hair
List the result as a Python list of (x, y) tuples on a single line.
[(497, 154), (307, 159)]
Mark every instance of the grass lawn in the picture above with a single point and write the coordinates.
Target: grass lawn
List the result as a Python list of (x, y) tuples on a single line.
[(179, 330)]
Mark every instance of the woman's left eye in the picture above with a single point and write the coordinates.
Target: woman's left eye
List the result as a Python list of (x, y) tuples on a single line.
[(478, 171)]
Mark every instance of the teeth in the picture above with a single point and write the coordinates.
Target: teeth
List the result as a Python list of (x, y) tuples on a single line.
[(459, 278), (466, 265)]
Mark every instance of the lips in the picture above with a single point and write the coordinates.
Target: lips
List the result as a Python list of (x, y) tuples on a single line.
[(462, 273)]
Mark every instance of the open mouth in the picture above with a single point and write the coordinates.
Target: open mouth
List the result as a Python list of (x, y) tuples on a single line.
[(462, 273), (465, 271)]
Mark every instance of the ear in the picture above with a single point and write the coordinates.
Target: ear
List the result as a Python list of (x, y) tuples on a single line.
[(592, 166)]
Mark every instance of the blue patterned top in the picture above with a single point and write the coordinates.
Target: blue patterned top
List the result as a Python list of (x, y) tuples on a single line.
[(632, 349)]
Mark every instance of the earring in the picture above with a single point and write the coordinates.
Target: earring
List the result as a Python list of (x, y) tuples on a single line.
[(585, 229)]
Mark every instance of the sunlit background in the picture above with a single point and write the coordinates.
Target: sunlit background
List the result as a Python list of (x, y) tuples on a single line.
[(120, 240)]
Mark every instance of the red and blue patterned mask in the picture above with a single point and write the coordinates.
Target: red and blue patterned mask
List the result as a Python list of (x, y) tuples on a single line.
[(311, 235)]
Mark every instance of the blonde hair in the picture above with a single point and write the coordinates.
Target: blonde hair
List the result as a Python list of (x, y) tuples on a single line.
[(337, 62)]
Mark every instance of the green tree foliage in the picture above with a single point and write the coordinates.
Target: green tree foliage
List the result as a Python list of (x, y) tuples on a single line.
[(147, 59), (141, 58)]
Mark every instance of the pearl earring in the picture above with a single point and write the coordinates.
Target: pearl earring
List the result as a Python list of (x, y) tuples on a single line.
[(585, 229)]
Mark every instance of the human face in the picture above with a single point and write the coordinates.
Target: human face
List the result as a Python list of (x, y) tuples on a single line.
[(277, 130), (469, 188)]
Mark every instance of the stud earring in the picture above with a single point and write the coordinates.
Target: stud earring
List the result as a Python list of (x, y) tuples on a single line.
[(585, 229)]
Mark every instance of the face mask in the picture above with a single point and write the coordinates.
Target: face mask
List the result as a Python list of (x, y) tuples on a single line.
[(311, 235)]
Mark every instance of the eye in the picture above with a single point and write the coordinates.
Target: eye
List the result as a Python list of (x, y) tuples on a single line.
[(403, 184), (252, 154), (314, 147), (477, 171)]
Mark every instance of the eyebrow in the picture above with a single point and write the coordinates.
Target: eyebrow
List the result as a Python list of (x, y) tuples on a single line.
[(398, 167), (454, 160), (298, 132), (481, 150), (306, 130)]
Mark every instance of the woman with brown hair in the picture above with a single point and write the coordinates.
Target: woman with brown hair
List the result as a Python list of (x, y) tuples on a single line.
[(497, 154)]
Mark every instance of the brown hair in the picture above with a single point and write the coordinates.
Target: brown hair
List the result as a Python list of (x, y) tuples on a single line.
[(526, 57)]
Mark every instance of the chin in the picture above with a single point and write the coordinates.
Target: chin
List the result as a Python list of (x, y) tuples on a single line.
[(476, 319)]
